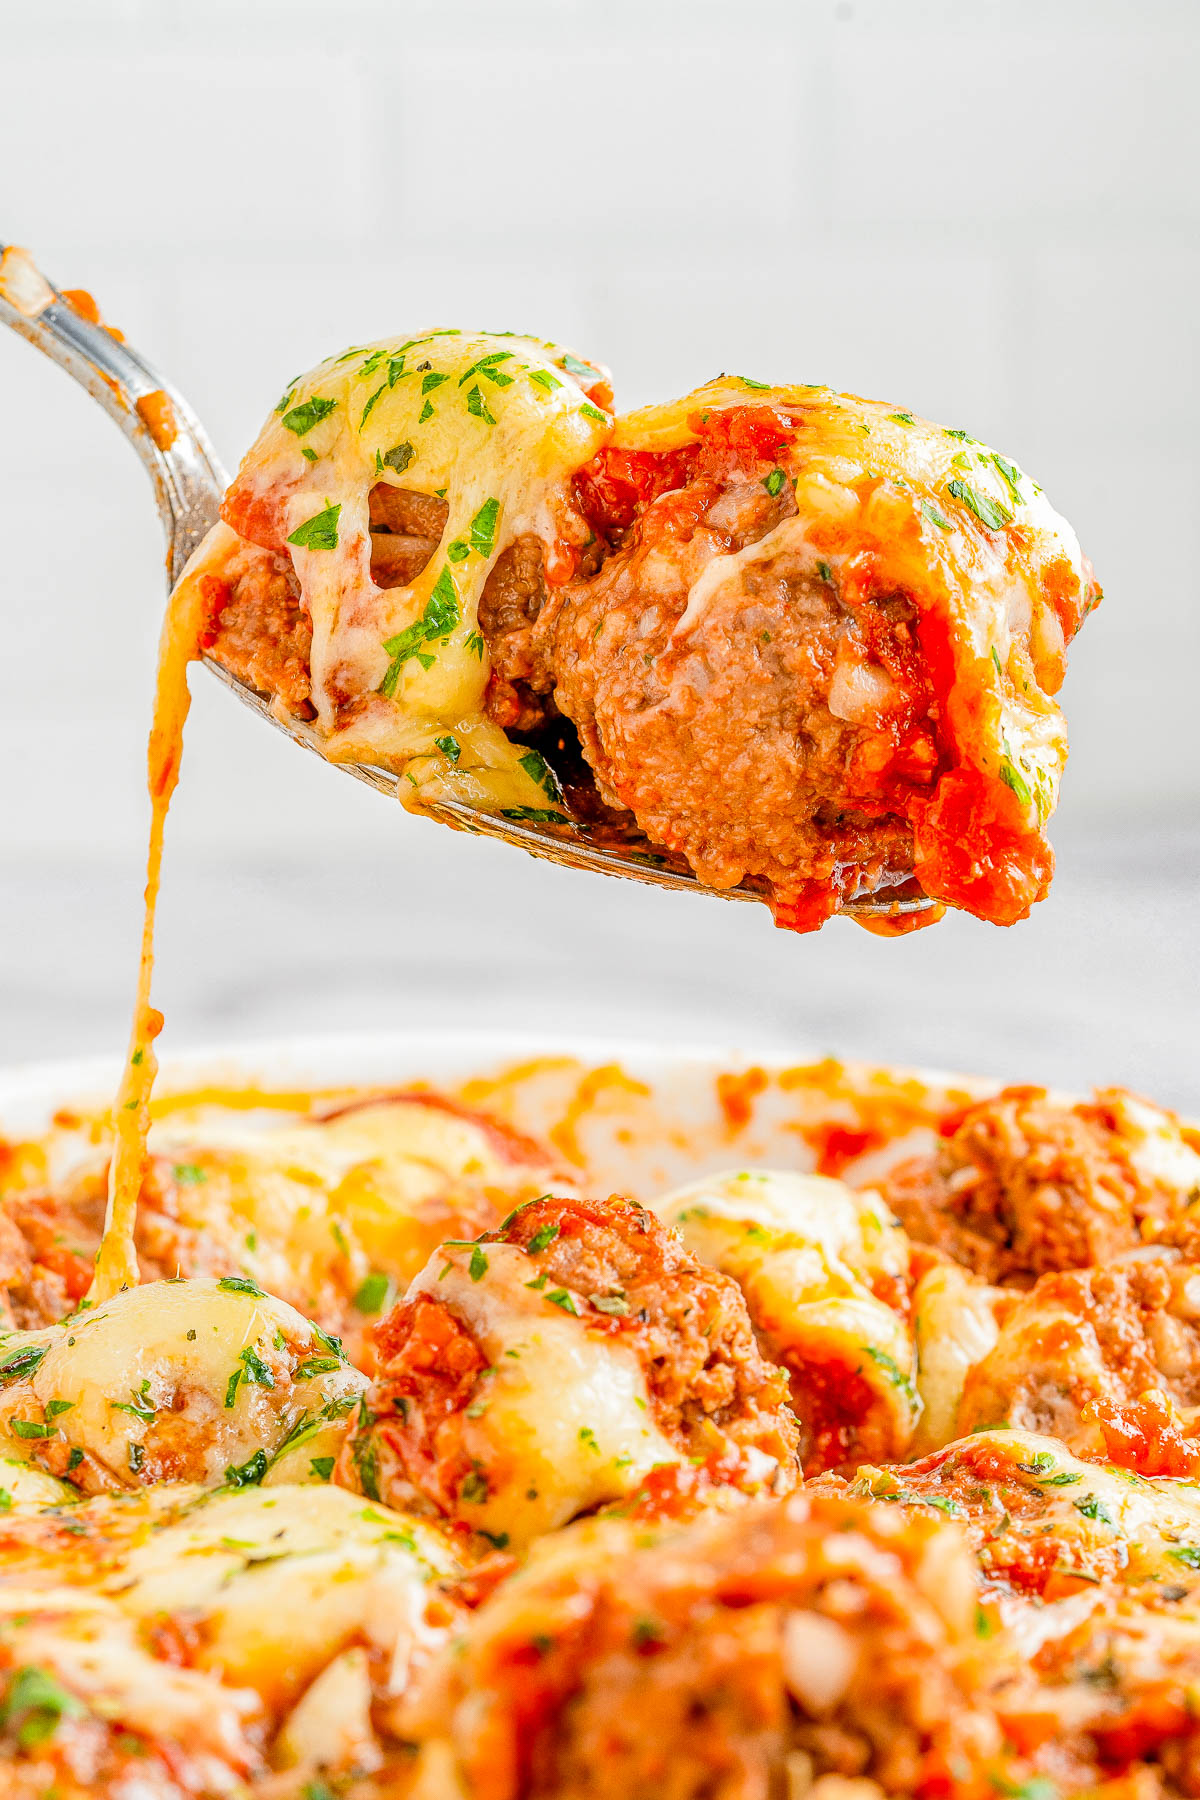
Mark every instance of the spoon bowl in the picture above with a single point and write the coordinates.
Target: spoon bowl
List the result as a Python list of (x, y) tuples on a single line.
[(189, 484)]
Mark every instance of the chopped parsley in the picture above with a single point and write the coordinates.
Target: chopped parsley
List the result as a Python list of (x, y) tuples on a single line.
[(934, 516), (760, 386), (321, 1467), (475, 644), (247, 1474), (1012, 778), (477, 406), (543, 1236), (313, 1365), (825, 572), (902, 418), (486, 365), (1187, 1554), (573, 366), (892, 1370), (539, 770), (474, 1489), (593, 412), (482, 529), (1011, 474), (989, 512), (369, 408), (534, 815), (438, 620), (1094, 1508), (250, 1368), (426, 412), (189, 1174), (544, 379), (477, 1268), (302, 418), (561, 1298), (450, 747), (56, 1408), (364, 1453), (240, 1284), (616, 1305), (397, 458), (774, 481), (35, 1705), (30, 1428), (141, 1406), (21, 1362), (373, 1292), (320, 532)]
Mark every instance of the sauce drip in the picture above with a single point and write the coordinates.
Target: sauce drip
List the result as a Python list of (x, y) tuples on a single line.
[(116, 1260)]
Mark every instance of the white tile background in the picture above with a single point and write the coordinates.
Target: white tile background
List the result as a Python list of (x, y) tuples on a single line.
[(982, 209)]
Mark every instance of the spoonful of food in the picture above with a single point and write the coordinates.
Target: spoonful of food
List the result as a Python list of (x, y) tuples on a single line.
[(769, 642)]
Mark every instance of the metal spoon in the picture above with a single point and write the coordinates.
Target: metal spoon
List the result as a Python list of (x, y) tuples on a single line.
[(189, 483)]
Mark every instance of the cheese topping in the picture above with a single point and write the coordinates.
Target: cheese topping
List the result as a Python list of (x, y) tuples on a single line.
[(495, 426), (805, 1251), (562, 1420), (940, 516)]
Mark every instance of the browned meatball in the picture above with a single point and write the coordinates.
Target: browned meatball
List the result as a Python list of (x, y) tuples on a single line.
[(256, 628), (720, 727), (735, 1659), (1090, 1335), (1022, 1184), (546, 1368)]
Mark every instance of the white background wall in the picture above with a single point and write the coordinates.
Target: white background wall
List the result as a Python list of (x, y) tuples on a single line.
[(986, 212)]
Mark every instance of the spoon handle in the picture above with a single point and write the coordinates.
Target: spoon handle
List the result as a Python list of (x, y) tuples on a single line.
[(188, 479)]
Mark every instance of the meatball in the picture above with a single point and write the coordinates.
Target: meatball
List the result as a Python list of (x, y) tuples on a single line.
[(824, 1273), (771, 668), (738, 1657), (334, 1214), (255, 626), (199, 1380), (1022, 1184), (1089, 1335), (545, 1368)]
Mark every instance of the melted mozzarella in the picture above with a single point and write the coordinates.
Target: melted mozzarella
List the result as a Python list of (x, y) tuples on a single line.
[(805, 1250), (562, 1415), (188, 1377), (954, 1320), (310, 1208), (283, 1579), (496, 425), (967, 533)]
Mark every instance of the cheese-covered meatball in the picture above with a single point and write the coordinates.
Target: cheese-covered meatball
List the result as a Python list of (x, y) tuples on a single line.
[(821, 652), (203, 1380), (744, 1655), (824, 1273), (546, 1368), (1022, 1184), (1086, 1336)]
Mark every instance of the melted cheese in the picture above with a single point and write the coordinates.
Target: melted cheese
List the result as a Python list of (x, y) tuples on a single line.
[(310, 1209), (189, 1376), (804, 1251), (873, 481), (1099, 1519), (954, 1320), (283, 1578), (494, 424), (564, 1421), (116, 1263)]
